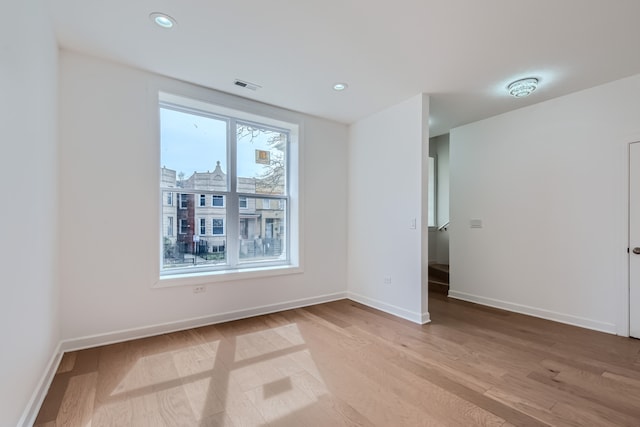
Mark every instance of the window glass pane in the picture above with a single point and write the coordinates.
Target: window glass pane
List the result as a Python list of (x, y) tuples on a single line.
[(192, 246), (261, 160), (194, 150), (262, 231)]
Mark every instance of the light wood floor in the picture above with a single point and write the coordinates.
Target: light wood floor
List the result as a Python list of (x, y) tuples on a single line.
[(342, 363)]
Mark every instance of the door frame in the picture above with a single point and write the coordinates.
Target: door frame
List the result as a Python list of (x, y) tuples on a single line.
[(626, 312)]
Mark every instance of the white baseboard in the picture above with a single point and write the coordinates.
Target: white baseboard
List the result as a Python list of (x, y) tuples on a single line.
[(165, 328), (582, 322), (415, 317), (426, 318), (33, 407)]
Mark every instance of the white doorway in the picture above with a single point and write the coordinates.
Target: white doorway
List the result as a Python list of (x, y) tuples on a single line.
[(634, 239)]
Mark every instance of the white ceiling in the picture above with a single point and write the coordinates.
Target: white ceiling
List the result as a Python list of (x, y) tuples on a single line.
[(461, 52)]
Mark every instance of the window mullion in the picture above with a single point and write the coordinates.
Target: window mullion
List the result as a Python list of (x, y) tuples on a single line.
[(232, 201)]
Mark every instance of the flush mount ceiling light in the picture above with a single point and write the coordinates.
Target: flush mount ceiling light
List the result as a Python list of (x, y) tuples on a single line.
[(523, 87), (340, 87), (162, 20)]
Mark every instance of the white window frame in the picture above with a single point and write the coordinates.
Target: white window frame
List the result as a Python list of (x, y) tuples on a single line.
[(202, 200), (202, 226), (246, 202), (169, 198), (264, 116)]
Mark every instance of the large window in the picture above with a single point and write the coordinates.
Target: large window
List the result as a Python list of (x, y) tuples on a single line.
[(242, 164)]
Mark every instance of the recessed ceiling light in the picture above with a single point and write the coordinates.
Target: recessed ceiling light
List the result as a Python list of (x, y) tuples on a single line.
[(523, 87), (340, 86), (163, 20)]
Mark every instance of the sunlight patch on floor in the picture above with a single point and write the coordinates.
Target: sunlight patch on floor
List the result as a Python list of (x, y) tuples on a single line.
[(265, 376), (255, 344), (167, 368)]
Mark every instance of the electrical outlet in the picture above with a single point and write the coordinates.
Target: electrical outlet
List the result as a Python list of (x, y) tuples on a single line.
[(387, 280), (199, 289)]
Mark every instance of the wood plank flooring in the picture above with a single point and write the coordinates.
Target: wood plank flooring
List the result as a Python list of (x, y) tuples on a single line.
[(344, 364)]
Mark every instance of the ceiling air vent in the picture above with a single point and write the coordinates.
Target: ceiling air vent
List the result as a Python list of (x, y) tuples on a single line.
[(246, 85)]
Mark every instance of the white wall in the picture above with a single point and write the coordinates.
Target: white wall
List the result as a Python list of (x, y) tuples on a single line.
[(549, 183), (109, 210), (28, 216), (388, 160)]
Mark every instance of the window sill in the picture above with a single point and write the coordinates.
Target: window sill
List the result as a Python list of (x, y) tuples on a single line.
[(210, 277)]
